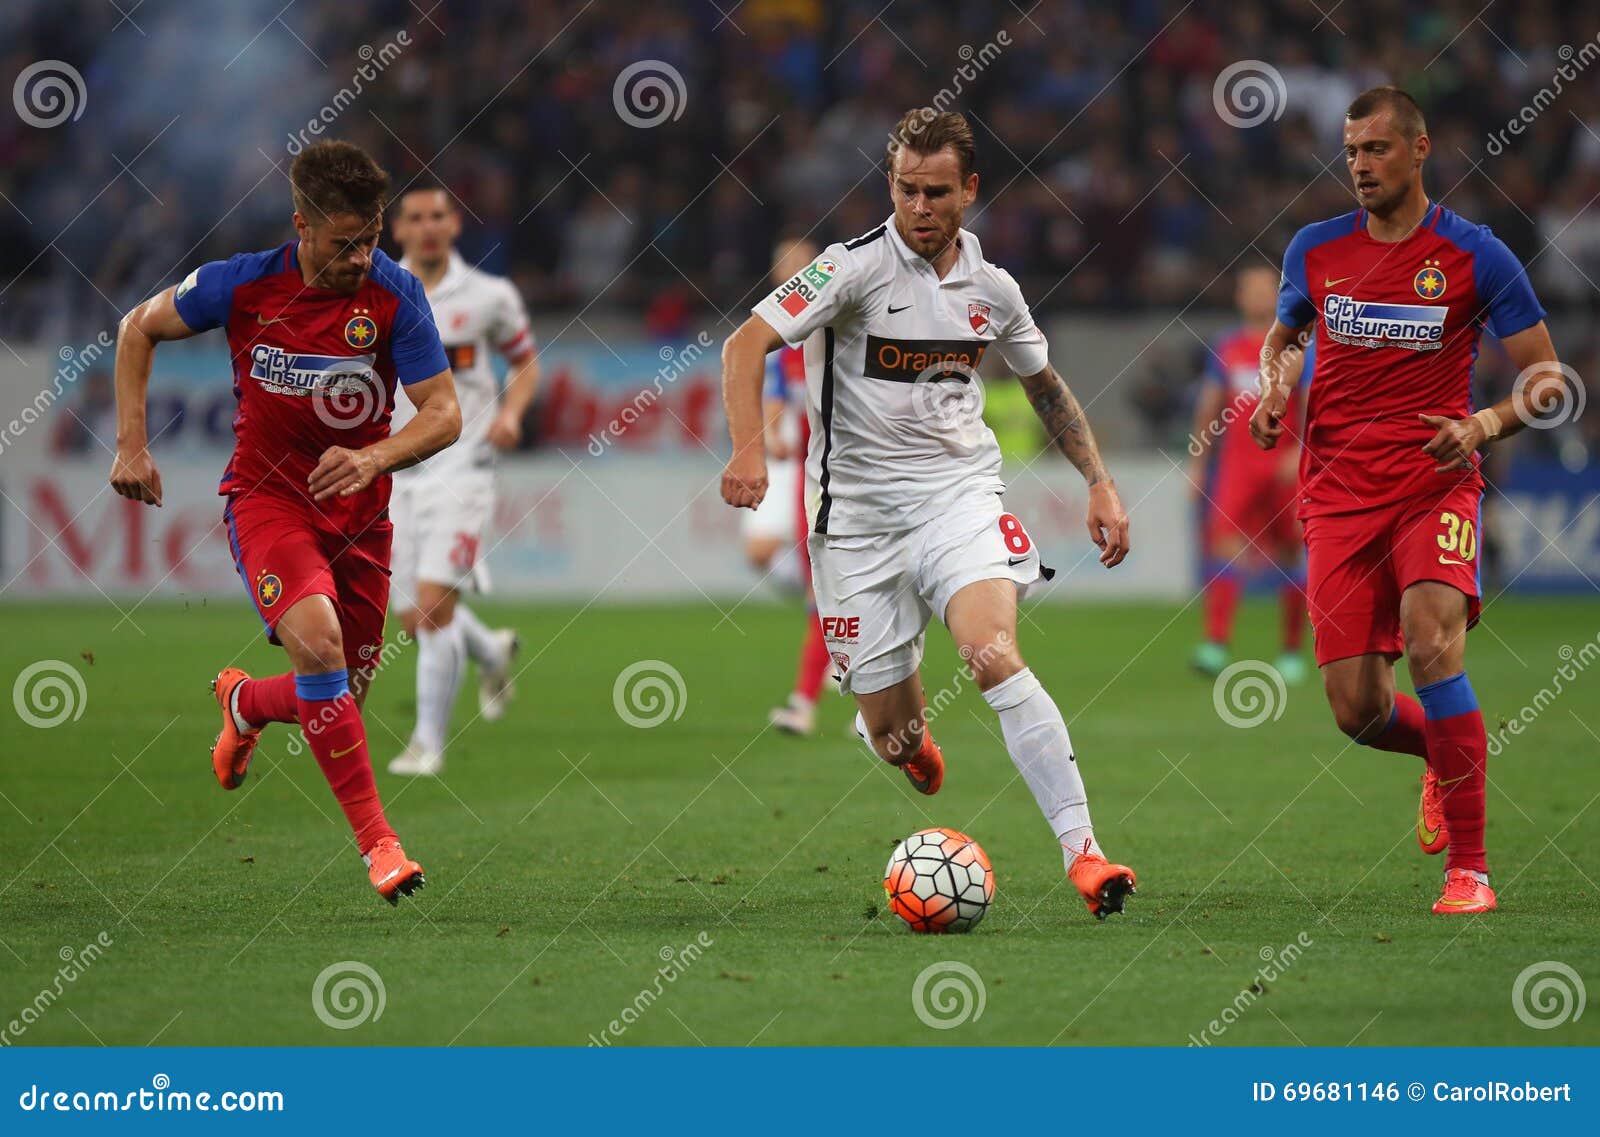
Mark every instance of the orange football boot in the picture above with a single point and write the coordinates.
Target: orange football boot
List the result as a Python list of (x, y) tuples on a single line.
[(1463, 894), (393, 873), (925, 769), (1432, 835), (1104, 885), (230, 756)]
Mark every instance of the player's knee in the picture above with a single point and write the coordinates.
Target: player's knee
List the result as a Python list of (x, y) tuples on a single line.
[(321, 649), (1361, 715), (1432, 648), (992, 663)]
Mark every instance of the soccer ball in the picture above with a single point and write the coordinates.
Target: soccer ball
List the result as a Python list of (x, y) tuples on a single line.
[(939, 880)]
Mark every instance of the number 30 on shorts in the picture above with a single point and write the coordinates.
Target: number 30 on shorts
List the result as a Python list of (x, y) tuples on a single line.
[(1460, 536), (1016, 537)]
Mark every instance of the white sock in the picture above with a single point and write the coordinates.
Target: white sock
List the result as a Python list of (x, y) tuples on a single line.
[(233, 709), (441, 660), (1036, 737), (481, 644)]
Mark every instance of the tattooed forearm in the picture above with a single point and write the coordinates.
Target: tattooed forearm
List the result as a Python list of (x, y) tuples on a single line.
[(1065, 422)]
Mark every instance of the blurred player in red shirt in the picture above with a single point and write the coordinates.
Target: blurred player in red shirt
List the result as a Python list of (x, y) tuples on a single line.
[(1397, 294), (320, 331), (1250, 515)]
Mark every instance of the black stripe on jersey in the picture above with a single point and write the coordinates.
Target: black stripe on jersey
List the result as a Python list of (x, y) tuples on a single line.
[(867, 238), (827, 428)]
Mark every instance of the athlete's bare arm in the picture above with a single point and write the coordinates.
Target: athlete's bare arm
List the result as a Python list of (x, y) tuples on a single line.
[(1539, 389), (1283, 355), (133, 471), (1207, 430), (522, 383), (744, 361), (436, 425), (1068, 427)]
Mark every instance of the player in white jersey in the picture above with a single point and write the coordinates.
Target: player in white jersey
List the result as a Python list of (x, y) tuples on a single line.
[(903, 477), (442, 508)]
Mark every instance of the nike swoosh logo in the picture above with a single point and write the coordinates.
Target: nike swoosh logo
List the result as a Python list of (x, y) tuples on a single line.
[(902, 308), (1326, 283), (263, 321), (1453, 781), (1015, 561), (346, 750), (1458, 903), (1444, 560), (1429, 836)]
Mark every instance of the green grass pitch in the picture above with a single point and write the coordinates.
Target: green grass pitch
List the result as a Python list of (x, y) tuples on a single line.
[(568, 853)]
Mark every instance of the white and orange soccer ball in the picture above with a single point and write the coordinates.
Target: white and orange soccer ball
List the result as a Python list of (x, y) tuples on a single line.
[(939, 880)]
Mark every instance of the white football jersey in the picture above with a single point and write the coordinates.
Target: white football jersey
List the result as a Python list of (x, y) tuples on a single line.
[(892, 390), (475, 311)]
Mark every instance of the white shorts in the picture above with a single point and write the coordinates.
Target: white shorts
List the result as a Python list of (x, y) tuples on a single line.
[(775, 516), (876, 592), (440, 532)]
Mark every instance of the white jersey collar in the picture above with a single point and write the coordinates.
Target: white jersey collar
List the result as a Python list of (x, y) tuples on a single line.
[(455, 270), (968, 253)]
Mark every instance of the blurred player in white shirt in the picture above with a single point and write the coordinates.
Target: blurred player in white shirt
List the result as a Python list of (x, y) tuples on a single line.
[(442, 508)]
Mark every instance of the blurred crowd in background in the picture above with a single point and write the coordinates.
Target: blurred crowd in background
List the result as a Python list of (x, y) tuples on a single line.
[(1110, 182)]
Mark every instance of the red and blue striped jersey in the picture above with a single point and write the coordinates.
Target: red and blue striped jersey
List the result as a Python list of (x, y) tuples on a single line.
[(312, 367), (1397, 329)]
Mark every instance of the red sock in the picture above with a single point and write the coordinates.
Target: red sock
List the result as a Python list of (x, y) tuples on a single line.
[(332, 725), (1222, 597), (1458, 750), (814, 660), (1294, 616), (269, 700), (1405, 733)]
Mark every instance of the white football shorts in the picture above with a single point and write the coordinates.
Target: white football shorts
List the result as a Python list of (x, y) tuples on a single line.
[(441, 533), (877, 592)]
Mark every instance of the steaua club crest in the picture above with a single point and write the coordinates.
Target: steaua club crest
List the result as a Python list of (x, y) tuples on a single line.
[(268, 589), (1429, 281), (360, 331), (978, 317)]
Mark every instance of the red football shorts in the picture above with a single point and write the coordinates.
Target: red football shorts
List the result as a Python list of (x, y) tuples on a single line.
[(284, 554), (1358, 564), (1261, 511)]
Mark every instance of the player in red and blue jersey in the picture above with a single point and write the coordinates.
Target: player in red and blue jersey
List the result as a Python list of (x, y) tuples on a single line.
[(1250, 518), (1398, 292), (320, 330)]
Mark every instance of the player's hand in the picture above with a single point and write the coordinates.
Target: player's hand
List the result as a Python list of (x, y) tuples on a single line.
[(1108, 523), (1266, 424), (777, 449), (1454, 442), (744, 481), (134, 476), (505, 431), (343, 472)]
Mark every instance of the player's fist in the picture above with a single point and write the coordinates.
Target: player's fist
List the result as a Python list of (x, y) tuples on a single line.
[(1454, 441), (744, 481), (1266, 424), (343, 472), (134, 476), (505, 431), (1108, 523)]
